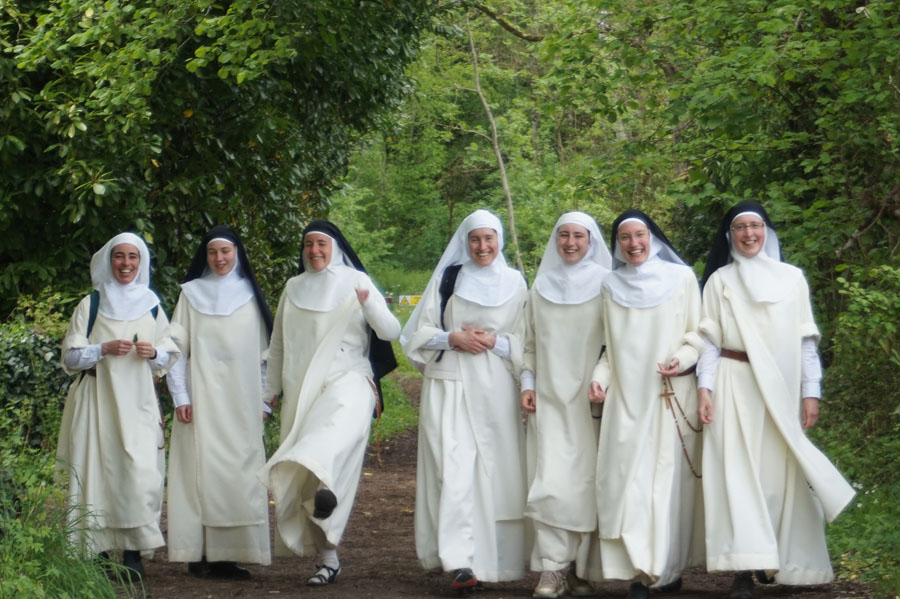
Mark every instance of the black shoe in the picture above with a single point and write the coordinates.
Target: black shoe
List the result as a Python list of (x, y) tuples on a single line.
[(638, 591), (464, 580), (133, 564), (228, 570), (198, 569), (105, 563), (763, 578), (672, 587), (742, 587), (325, 503)]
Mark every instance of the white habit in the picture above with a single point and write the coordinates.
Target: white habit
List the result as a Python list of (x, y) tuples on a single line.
[(646, 493), (470, 476), (758, 465), (562, 345), (217, 508), (318, 358), (111, 434)]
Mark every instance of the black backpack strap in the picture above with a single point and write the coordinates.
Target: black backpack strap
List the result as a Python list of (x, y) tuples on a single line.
[(92, 315), (448, 284)]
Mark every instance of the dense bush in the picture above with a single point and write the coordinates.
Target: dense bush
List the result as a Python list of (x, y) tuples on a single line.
[(860, 427), (32, 385), (35, 560)]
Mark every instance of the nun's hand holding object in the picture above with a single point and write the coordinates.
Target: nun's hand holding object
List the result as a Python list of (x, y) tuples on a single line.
[(529, 401), (671, 370), (116, 347), (596, 394), (145, 349)]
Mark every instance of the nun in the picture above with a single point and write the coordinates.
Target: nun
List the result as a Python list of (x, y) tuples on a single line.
[(330, 347), (466, 335), (111, 433), (648, 458), (562, 345), (767, 489), (217, 509)]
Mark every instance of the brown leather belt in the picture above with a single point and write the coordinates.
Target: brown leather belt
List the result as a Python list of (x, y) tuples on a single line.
[(734, 355), (91, 371)]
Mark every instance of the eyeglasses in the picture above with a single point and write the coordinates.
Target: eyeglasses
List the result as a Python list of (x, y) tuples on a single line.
[(752, 226)]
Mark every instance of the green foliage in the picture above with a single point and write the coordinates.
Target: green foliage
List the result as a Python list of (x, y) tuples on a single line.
[(169, 116), (35, 558), (399, 414), (860, 426), (394, 282), (866, 342), (863, 540), (32, 387)]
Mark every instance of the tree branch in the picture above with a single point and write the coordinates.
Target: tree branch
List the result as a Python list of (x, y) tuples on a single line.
[(528, 37)]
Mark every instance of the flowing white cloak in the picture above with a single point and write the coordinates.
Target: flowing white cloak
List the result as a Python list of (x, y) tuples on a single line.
[(319, 360), (216, 506), (470, 475), (758, 465), (111, 437), (647, 496), (562, 345)]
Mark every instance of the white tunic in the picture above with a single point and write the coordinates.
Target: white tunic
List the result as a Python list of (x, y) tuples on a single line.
[(320, 362), (758, 465), (562, 344), (216, 506), (470, 477), (111, 436), (646, 493)]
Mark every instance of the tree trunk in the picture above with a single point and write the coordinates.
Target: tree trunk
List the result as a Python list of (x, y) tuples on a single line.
[(514, 239)]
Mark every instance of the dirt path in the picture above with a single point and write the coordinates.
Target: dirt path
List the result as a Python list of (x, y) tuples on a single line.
[(379, 560)]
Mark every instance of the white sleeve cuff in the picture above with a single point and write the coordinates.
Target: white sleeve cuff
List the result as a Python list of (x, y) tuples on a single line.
[(810, 369), (707, 366), (161, 359), (526, 380), (502, 347), (440, 342), (83, 358)]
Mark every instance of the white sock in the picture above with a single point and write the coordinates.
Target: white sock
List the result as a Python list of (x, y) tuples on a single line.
[(330, 558)]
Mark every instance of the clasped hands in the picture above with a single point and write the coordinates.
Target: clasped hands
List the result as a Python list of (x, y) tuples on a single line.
[(472, 340)]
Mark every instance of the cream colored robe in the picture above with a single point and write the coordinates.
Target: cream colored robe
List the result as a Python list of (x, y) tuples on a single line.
[(319, 361), (758, 465), (111, 437), (646, 493), (562, 344), (470, 477), (216, 506)]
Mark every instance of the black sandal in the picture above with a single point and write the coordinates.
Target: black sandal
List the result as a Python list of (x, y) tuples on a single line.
[(324, 576)]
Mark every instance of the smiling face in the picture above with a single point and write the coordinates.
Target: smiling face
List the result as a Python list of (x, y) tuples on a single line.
[(748, 234), (483, 246), (633, 238), (317, 251), (572, 242), (220, 256), (125, 261)]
